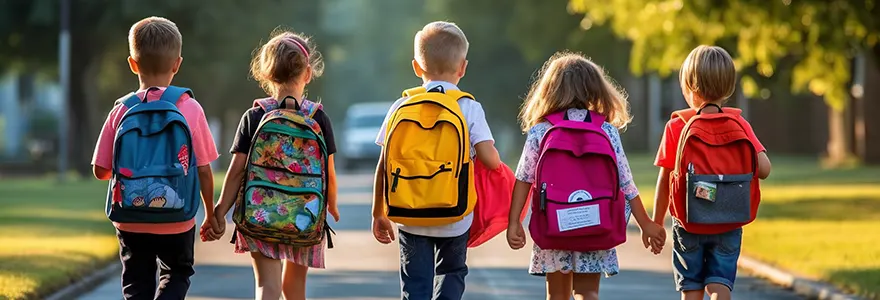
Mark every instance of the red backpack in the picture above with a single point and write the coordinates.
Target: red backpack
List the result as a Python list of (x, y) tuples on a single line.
[(714, 187)]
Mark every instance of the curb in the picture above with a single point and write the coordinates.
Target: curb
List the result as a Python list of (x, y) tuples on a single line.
[(801, 286), (86, 284)]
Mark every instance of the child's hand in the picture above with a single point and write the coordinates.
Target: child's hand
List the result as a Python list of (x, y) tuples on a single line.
[(219, 225), (206, 232), (653, 236), (516, 236), (333, 209), (382, 230)]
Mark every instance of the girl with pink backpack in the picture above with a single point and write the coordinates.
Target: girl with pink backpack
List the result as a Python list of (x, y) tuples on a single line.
[(575, 171)]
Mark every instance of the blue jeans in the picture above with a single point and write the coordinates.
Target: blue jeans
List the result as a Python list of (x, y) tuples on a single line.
[(701, 259), (432, 267)]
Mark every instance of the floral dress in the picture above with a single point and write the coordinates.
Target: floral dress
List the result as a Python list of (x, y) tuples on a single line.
[(549, 261)]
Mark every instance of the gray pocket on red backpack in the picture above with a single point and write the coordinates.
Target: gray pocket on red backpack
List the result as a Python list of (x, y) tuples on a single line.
[(719, 199)]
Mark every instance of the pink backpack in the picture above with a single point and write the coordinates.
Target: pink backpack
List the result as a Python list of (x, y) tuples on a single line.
[(577, 201)]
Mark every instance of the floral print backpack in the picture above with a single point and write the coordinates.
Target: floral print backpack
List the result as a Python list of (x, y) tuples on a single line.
[(283, 199)]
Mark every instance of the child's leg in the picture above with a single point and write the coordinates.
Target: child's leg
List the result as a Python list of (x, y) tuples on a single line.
[(267, 275), (586, 286), (721, 257), (559, 286), (451, 267), (416, 266), (294, 283), (175, 254), (687, 263), (137, 252)]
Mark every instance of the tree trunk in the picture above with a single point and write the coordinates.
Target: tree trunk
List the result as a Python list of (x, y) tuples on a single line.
[(840, 150)]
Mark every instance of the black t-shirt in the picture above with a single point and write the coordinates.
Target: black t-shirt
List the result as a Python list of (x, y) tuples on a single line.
[(251, 119)]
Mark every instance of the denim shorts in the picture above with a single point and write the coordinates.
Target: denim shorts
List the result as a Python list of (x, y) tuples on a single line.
[(701, 259)]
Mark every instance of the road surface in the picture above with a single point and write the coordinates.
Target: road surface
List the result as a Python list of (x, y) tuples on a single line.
[(360, 268)]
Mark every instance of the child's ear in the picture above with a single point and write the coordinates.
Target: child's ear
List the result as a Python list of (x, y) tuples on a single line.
[(177, 64), (133, 65), (417, 68), (307, 75), (462, 69)]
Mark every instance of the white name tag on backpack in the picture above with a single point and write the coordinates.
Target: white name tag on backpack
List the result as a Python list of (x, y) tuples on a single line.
[(578, 217)]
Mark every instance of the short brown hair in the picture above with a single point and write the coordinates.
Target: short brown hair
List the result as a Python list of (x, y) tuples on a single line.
[(155, 43), (284, 58), (440, 47), (709, 72)]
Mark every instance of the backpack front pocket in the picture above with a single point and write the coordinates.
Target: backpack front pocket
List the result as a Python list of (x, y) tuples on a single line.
[(575, 213), (288, 149), (284, 209), (151, 189), (419, 184), (718, 199)]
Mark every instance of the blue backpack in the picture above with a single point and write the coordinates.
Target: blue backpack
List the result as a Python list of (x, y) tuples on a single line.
[(155, 177)]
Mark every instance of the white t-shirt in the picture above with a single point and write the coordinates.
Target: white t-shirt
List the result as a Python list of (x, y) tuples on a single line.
[(479, 132)]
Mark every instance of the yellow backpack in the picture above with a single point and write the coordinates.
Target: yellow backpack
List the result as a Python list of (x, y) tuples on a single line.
[(428, 171)]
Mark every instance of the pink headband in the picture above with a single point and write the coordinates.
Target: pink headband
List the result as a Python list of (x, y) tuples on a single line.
[(301, 47)]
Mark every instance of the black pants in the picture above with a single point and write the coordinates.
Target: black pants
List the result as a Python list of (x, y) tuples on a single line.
[(139, 253)]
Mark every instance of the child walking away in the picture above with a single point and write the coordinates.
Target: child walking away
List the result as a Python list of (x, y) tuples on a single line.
[(282, 178), (425, 178), (581, 187), (156, 149), (710, 164)]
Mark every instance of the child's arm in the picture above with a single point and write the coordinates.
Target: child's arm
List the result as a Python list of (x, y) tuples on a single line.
[(102, 159), (206, 183), (382, 230), (661, 196), (488, 155), (516, 237), (332, 204), (231, 184), (764, 166)]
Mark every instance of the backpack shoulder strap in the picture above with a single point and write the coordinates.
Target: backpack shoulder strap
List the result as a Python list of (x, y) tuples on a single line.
[(414, 91), (173, 93), (268, 104), (556, 118), (129, 100), (310, 108), (459, 94), (684, 114)]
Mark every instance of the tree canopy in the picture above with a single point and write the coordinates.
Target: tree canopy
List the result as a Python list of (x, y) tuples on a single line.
[(814, 40)]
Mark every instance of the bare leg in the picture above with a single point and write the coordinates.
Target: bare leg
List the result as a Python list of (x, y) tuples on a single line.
[(692, 295), (559, 286), (586, 286), (718, 291), (267, 275), (294, 283)]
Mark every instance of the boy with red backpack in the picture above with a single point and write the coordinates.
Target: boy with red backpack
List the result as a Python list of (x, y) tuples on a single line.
[(710, 165)]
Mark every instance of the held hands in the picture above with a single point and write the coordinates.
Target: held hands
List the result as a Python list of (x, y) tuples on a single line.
[(653, 236), (382, 230), (516, 236), (214, 226)]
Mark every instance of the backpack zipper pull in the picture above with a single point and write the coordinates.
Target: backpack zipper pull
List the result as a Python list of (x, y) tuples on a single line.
[(543, 196), (691, 168), (396, 175)]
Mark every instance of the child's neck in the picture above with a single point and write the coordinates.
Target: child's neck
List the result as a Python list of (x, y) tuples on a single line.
[(147, 81), (295, 91), (451, 78)]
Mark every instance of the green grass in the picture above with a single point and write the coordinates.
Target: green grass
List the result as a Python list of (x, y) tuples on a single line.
[(50, 234), (818, 223)]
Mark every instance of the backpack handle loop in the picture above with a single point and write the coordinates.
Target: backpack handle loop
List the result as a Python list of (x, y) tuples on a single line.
[(709, 104)]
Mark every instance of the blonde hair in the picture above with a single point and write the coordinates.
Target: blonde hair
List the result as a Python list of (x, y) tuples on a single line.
[(440, 47), (709, 72), (283, 59), (155, 43), (570, 80)]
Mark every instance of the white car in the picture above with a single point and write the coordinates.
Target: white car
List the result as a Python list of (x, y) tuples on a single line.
[(362, 123)]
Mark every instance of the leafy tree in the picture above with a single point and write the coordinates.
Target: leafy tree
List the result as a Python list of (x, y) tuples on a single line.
[(811, 42), (218, 35)]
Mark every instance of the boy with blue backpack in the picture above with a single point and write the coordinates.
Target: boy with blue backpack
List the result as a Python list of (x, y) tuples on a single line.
[(156, 148)]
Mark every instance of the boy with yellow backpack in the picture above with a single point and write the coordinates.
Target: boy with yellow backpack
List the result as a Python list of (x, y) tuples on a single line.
[(425, 177)]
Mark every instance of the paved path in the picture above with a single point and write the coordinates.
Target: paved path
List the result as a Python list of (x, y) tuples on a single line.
[(361, 268)]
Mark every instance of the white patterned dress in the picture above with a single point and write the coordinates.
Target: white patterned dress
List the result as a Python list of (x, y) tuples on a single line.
[(549, 261)]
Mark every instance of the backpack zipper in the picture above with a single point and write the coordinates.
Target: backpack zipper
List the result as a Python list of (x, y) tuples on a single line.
[(543, 196), (396, 176)]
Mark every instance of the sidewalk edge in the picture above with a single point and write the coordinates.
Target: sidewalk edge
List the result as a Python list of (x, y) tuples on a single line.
[(801, 286), (86, 284)]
